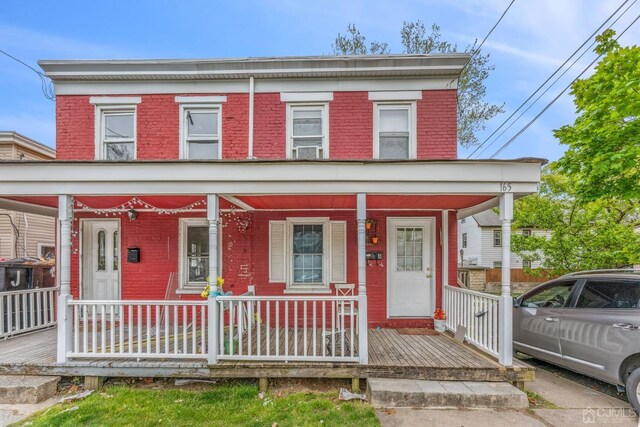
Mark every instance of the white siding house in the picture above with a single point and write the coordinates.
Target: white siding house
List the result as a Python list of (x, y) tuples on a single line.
[(480, 241)]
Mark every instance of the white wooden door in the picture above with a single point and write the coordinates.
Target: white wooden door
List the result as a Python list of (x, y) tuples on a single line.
[(410, 269), (101, 260)]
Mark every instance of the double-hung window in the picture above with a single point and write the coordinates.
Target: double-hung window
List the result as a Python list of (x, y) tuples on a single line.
[(394, 131), (201, 133), (307, 131), (201, 127), (115, 127), (194, 253), (307, 254), (497, 238)]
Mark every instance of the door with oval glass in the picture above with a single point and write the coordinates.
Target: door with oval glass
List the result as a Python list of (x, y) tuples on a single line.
[(410, 267), (100, 259)]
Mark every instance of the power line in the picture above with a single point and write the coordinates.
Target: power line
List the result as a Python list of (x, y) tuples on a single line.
[(477, 50), (548, 79), (558, 96), (46, 85), (495, 25)]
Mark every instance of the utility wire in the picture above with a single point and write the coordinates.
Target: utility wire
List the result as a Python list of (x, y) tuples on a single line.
[(47, 87), (477, 50), (505, 145), (548, 79)]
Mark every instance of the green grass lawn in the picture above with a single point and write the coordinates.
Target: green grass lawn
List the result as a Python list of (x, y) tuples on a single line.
[(225, 405)]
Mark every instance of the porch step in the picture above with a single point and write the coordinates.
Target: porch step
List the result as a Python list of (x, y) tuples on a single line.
[(399, 393), (21, 389)]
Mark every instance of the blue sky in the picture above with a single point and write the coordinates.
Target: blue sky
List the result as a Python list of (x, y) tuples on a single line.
[(534, 38)]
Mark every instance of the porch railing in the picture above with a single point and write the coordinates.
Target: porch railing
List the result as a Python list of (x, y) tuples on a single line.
[(477, 312), (27, 310), (138, 329), (275, 328)]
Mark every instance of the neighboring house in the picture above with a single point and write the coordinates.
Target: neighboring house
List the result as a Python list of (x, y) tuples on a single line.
[(480, 241), (24, 234), (293, 175)]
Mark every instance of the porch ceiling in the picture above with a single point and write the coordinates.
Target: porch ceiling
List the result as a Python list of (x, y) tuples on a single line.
[(48, 205), (386, 201)]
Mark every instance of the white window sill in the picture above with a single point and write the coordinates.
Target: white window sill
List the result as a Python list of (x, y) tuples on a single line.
[(319, 290), (189, 291)]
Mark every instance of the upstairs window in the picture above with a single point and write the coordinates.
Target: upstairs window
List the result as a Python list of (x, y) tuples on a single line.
[(115, 131), (394, 131), (307, 132), (118, 140), (464, 240), (201, 127), (201, 133)]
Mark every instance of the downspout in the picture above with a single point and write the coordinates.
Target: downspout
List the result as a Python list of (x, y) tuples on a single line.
[(251, 91), (26, 233)]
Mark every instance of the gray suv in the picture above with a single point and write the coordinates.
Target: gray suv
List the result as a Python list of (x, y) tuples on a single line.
[(588, 322)]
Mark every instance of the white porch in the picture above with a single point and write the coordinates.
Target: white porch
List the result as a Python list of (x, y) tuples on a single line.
[(177, 330)]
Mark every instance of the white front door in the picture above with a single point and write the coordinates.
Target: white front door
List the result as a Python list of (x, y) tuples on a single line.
[(100, 259), (410, 267)]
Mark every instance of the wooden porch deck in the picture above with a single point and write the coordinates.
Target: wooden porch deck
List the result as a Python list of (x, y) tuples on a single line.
[(391, 355)]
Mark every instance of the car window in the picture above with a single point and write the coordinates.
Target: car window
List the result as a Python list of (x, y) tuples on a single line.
[(553, 296), (609, 294)]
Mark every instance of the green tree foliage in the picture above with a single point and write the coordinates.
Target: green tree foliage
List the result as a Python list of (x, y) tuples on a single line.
[(604, 141), (584, 235), (473, 111)]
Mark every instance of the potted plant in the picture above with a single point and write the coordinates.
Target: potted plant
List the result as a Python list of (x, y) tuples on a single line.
[(439, 319)]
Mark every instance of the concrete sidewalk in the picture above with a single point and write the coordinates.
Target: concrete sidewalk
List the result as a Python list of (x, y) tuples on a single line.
[(578, 405)]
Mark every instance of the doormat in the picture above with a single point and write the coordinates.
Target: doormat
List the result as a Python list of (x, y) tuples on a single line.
[(417, 331)]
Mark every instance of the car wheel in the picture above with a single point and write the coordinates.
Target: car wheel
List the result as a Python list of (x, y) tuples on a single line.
[(633, 389)]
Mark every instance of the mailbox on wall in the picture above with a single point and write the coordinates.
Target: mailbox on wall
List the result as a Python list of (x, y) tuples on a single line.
[(133, 254)]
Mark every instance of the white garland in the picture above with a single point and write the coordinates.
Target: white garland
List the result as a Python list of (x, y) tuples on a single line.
[(136, 202)]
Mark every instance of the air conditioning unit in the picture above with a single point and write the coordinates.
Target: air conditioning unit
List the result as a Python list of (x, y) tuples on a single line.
[(473, 261), (307, 152)]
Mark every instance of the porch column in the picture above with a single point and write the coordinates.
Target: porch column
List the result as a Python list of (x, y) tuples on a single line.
[(363, 339), (64, 314), (445, 258), (505, 322), (212, 321)]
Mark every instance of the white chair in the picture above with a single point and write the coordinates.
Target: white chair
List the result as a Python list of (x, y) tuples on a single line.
[(346, 308)]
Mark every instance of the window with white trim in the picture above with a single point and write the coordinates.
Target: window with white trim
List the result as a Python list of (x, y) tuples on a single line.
[(117, 139), (526, 263), (201, 127), (307, 131), (194, 253), (46, 250), (464, 240), (526, 233), (497, 238), (394, 131), (307, 253)]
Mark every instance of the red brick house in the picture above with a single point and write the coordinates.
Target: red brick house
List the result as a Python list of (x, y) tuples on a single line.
[(291, 175)]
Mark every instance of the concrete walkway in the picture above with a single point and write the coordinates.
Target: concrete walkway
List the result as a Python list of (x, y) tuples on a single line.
[(577, 405), (12, 413)]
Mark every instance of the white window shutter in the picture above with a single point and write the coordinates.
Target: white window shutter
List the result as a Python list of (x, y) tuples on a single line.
[(277, 245), (338, 252)]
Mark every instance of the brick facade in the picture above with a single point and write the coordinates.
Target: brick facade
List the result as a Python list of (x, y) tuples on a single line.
[(350, 126), (245, 236)]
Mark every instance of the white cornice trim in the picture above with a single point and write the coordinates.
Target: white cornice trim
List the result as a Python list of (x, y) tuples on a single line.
[(406, 95), (201, 99), (115, 100), (261, 86), (306, 96)]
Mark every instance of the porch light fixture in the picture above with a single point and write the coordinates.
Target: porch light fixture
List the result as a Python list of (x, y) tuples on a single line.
[(132, 214)]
